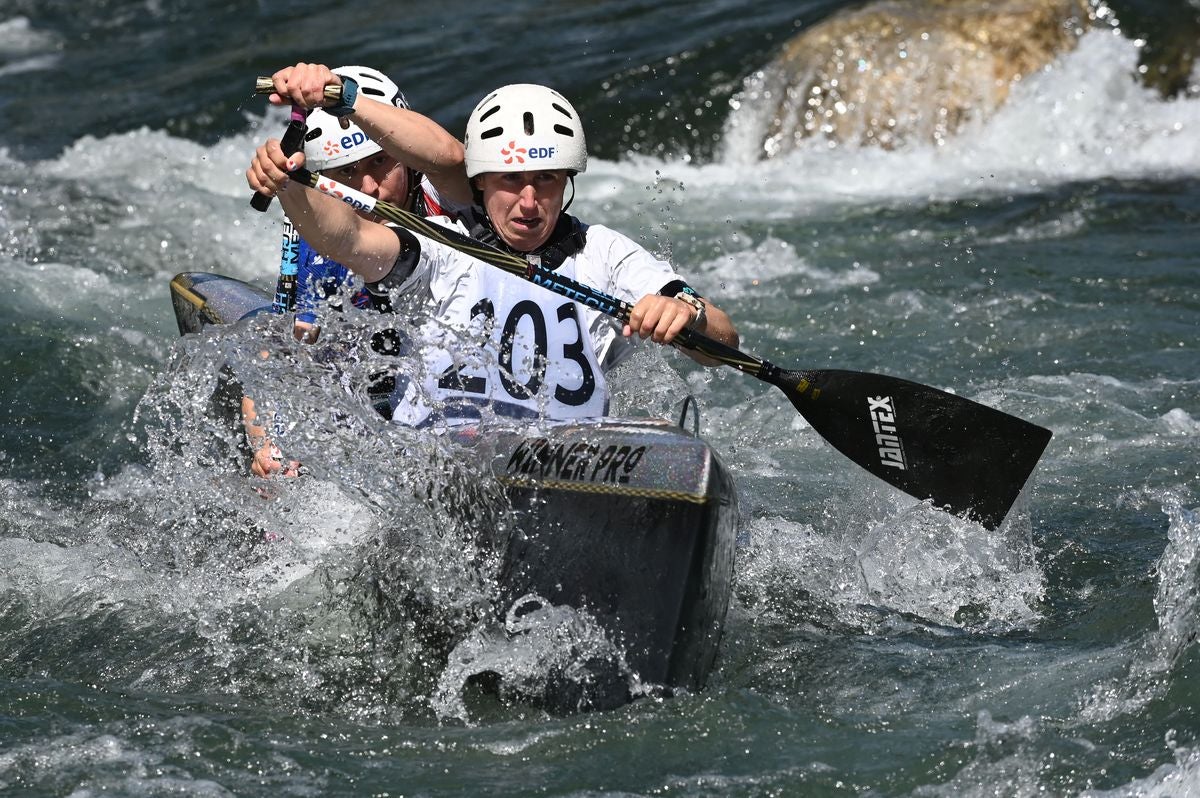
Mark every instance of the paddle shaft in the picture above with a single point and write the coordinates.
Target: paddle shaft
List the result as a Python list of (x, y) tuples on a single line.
[(292, 141), (265, 85), (534, 273), (289, 251)]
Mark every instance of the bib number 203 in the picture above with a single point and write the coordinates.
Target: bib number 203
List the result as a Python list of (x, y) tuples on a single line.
[(454, 380)]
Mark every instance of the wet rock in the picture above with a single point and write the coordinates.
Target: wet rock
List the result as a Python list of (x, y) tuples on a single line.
[(900, 71)]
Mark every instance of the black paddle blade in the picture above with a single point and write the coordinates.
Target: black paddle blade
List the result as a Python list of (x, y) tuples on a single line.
[(967, 458)]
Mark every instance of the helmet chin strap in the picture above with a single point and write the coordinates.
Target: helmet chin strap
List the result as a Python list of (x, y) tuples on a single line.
[(572, 199), (567, 238), (414, 187)]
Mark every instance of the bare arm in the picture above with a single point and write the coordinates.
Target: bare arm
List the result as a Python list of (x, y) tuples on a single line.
[(411, 138), (417, 141), (267, 459), (330, 226)]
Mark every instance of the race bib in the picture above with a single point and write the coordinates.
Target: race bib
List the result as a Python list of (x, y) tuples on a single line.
[(514, 348)]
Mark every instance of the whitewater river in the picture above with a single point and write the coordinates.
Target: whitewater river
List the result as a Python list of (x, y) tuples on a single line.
[(169, 626)]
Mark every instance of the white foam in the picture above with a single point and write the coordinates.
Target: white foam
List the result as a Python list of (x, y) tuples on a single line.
[(1172, 780), (19, 38), (1178, 421), (186, 205), (1177, 607), (742, 270), (1086, 116), (912, 560)]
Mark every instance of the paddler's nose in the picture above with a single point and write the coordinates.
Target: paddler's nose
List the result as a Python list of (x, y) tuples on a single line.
[(528, 197)]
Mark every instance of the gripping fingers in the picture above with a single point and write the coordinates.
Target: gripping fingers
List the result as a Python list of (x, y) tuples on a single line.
[(658, 318), (268, 172), (304, 84), (672, 322)]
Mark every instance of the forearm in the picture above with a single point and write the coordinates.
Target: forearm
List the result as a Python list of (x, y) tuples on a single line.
[(266, 459), (256, 434), (717, 326), (262, 460), (418, 142), (333, 229)]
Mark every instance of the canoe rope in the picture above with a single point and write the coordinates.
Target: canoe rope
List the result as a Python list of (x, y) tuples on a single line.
[(614, 490)]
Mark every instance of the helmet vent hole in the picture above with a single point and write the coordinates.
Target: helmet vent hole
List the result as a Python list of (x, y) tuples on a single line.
[(527, 118), (564, 130), (490, 111), (561, 110), (492, 133)]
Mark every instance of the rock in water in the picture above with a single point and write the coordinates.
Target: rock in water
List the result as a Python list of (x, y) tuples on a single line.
[(901, 71)]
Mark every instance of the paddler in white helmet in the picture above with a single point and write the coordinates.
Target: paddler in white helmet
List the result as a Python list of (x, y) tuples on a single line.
[(541, 355), (425, 175)]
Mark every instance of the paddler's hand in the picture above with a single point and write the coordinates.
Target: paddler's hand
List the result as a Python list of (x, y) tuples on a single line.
[(268, 460), (659, 318), (268, 171), (303, 85)]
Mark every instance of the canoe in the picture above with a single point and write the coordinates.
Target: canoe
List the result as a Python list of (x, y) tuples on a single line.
[(632, 521)]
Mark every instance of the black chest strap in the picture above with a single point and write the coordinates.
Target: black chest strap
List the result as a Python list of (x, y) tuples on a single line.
[(567, 239)]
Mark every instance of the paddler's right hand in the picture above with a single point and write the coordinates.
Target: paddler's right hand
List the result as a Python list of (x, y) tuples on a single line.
[(268, 170), (303, 85)]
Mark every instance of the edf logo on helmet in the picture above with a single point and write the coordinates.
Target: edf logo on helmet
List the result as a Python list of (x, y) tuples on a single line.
[(345, 143), (512, 153)]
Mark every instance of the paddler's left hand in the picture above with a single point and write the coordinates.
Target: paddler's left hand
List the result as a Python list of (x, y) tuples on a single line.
[(659, 318), (268, 460)]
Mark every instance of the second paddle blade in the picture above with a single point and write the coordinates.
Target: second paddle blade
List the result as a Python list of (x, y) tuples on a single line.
[(969, 459)]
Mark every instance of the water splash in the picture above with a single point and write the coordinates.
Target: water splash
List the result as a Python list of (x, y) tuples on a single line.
[(1084, 117), (1154, 658), (1172, 780), (913, 561), (340, 591), (554, 656), (367, 584), (1000, 753)]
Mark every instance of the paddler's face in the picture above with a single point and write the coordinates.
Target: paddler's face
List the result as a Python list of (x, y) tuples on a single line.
[(523, 206), (380, 176)]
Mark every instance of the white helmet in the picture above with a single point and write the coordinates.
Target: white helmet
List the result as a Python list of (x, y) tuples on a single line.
[(524, 127), (331, 142)]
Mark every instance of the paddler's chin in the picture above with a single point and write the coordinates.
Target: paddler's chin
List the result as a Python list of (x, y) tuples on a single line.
[(524, 234)]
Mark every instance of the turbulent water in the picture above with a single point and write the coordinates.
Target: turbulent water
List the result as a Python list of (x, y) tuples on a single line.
[(169, 625)]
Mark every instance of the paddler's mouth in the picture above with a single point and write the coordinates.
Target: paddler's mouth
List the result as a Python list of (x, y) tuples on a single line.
[(526, 233), (528, 222)]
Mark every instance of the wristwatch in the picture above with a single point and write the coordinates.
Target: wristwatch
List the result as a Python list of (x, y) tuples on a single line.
[(345, 106), (698, 321)]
